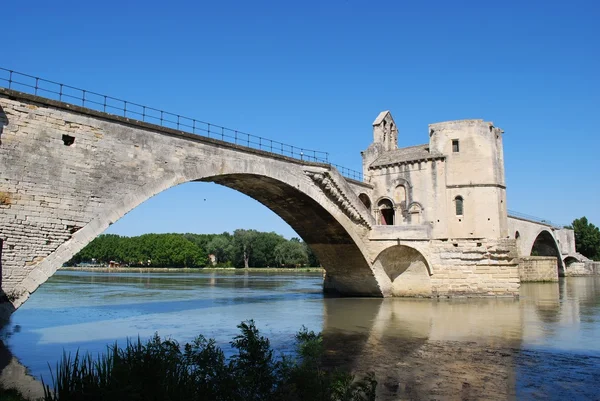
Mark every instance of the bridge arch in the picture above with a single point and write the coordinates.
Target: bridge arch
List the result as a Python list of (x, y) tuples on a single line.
[(545, 244), (115, 164), (408, 270), (287, 192)]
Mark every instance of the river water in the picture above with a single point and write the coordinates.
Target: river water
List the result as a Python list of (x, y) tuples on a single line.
[(545, 345)]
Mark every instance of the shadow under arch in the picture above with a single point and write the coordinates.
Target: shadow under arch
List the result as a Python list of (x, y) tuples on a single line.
[(333, 244), (408, 270), (545, 245)]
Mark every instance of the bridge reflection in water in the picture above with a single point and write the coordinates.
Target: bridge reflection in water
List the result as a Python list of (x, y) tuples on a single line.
[(474, 348), (542, 346)]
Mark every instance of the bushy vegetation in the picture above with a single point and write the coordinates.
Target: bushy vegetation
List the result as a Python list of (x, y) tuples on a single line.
[(245, 248), (587, 238), (162, 370)]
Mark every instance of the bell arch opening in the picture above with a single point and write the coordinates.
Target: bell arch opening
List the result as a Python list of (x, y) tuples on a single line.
[(545, 245), (408, 271)]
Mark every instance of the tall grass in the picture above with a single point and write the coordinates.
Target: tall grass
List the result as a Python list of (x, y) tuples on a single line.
[(162, 370)]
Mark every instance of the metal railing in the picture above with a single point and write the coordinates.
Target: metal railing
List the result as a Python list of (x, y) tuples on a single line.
[(348, 173), (512, 213), (119, 107)]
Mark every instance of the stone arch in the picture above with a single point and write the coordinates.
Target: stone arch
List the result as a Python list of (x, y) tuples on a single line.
[(385, 212), (364, 198), (569, 260), (408, 270), (545, 244)]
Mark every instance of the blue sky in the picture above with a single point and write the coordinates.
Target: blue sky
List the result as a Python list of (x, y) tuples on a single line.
[(316, 74)]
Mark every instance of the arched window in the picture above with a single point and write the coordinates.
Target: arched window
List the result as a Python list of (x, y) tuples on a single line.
[(386, 212), (364, 198), (400, 196), (458, 201), (415, 213)]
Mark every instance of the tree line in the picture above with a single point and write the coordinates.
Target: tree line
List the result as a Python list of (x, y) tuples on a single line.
[(243, 248)]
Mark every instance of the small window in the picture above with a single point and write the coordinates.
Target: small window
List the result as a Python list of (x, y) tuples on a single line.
[(455, 147), (459, 205)]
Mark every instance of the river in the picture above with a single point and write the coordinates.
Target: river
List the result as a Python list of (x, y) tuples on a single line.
[(545, 345)]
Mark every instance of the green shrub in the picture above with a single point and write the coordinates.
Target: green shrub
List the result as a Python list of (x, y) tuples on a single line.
[(162, 370)]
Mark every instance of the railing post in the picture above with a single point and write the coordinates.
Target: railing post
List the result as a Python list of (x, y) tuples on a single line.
[(10, 79), (60, 96), (124, 108), (83, 99), (37, 80)]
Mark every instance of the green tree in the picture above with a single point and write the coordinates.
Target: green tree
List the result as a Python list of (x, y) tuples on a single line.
[(587, 238), (264, 249), (244, 245), (313, 261), (291, 253), (222, 247)]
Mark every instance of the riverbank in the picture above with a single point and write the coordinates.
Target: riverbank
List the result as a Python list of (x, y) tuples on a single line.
[(194, 270)]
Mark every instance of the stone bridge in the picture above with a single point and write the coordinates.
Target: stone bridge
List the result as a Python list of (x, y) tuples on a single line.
[(413, 227), (538, 239)]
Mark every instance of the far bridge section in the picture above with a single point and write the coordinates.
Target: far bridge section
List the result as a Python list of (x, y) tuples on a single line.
[(547, 250)]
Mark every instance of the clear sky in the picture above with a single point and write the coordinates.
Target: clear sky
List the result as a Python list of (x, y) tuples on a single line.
[(317, 73)]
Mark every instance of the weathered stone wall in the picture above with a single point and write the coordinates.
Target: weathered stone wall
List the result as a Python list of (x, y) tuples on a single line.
[(538, 268), (475, 173)]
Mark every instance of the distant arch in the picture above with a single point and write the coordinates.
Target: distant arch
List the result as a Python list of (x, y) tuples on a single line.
[(569, 260), (545, 245)]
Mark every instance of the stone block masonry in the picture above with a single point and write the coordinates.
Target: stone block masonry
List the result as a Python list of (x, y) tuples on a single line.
[(538, 268)]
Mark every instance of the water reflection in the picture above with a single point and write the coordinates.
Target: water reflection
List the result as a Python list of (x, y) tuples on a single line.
[(543, 344)]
